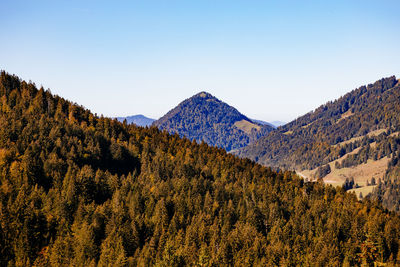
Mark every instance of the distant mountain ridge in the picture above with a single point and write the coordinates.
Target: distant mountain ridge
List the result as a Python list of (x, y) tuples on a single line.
[(263, 122), (139, 120), (278, 123), (203, 117)]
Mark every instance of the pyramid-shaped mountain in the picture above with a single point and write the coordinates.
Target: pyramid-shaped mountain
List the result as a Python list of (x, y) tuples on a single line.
[(203, 117)]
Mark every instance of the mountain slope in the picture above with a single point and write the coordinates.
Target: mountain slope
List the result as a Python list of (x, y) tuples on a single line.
[(80, 190), (354, 115), (359, 128), (139, 120), (205, 118)]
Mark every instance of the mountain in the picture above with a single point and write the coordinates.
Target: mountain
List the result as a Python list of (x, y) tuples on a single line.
[(203, 117), (278, 123), (79, 190), (354, 137), (139, 120), (263, 122)]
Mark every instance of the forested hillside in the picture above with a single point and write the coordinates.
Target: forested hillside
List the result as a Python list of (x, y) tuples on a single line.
[(78, 190), (352, 138), (205, 118), (318, 137)]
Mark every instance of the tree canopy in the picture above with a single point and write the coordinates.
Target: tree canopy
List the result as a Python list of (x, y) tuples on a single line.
[(79, 189)]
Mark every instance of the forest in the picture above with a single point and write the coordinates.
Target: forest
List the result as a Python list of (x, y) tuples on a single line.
[(81, 189)]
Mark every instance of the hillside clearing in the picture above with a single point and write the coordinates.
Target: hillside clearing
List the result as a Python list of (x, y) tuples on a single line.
[(361, 173), (365, 190), (246, 126)]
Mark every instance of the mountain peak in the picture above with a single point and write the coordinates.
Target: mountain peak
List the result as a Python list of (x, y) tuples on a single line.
[(204, 94), (204, 117)]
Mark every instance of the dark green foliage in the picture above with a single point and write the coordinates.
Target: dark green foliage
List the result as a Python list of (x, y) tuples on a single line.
[(205, 118), (323, 171), (349, 184), (79, 190)]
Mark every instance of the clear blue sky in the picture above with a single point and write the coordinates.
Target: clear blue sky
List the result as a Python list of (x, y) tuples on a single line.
[(273, 60)]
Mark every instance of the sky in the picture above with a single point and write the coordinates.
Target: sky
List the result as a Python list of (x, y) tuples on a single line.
[(272, 60)]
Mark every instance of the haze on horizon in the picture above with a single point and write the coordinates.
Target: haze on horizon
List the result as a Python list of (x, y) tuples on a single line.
[(271, 61)]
